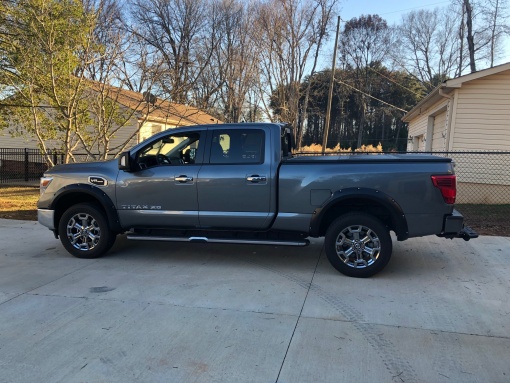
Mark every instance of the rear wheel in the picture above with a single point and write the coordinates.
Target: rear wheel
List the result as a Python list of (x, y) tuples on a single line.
[(358, 245), (84, 232)]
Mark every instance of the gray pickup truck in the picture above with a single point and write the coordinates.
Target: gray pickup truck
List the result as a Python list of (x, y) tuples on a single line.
[(240, 183)]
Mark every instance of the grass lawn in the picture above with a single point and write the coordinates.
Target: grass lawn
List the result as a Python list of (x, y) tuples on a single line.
[(20, 202), (486, 219)]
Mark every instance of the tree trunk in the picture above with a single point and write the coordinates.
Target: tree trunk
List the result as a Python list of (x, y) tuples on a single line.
[(469, 37)]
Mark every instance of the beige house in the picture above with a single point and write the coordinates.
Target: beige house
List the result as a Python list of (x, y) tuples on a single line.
[(147, 115), (466, 114)]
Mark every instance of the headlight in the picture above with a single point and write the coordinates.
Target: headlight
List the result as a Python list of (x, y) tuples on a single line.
[(44, 183)]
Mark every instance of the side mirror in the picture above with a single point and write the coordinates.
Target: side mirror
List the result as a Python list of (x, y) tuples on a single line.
[(125, 162)]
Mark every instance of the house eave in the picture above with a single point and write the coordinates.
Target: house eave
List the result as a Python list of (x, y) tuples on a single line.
[(447, 87), (429, 100)]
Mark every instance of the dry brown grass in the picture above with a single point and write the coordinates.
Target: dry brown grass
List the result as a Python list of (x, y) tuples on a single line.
[(317, 148), (19, 202)]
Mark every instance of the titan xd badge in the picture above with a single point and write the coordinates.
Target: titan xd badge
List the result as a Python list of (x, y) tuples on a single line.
[(98, 181)]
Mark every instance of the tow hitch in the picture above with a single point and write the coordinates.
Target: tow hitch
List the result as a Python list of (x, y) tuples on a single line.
[(466, 233)]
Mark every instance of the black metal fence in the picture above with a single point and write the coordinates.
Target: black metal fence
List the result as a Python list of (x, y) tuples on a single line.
[(28, 165), (21, 165)]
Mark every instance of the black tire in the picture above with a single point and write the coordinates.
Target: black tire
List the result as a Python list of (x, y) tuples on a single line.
[(358, 245), (84, 232)]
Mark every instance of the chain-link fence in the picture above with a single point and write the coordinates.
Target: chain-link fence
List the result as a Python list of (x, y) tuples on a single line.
[(483, 187)]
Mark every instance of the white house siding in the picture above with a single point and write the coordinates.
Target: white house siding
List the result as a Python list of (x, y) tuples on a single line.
[(417, 130), (418, 126), (483, 114), (439, 132), (482, 123)]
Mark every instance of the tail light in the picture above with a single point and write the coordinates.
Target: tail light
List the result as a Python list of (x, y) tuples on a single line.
[(448, 187)]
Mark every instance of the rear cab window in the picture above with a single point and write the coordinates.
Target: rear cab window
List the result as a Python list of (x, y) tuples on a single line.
[(237, 146)]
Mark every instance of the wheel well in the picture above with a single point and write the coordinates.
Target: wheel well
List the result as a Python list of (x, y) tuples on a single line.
[(363, 205), (68, 200)]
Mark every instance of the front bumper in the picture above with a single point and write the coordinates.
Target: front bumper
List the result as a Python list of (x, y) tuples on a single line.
[(454, 227), (46, 218)]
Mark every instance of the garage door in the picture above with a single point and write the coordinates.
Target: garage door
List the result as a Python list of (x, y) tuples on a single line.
[(437, 133)]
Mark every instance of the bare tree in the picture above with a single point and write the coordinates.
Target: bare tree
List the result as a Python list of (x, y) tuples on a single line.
[(321, 32), (366, 40), (183, 36), (235, 63), (495, 16), (429, 45), (483, 25), (290, 31)]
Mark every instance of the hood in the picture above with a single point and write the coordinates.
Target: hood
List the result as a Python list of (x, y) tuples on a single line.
[(106, 168)]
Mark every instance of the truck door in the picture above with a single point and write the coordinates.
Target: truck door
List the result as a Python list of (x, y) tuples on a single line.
[(162, 188), (236, 182)]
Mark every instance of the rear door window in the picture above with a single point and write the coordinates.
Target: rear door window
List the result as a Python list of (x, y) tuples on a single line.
[(237, 146)]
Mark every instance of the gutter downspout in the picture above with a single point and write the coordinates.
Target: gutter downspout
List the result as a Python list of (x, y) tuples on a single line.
[(448, 117)]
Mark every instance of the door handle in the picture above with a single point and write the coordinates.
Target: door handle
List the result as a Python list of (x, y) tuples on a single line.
[(256, 178), (183, 179)]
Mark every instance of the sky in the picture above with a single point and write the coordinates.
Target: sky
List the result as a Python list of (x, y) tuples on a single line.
[(391, 11)]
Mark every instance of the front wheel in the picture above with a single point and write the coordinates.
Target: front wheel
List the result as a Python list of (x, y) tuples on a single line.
[(358, 245), (84, 232)]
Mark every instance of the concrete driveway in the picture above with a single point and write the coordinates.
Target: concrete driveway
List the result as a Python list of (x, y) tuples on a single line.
[(170, 312)]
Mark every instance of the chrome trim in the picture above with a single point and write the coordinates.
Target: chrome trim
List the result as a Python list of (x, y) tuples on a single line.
[(256, 179), (304, 242), (240, 214), (184, 179), (83, 232), (46, 218), (165, 212), (237, 214)]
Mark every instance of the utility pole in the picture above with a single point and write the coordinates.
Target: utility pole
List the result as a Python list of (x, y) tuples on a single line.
[(330, 94)]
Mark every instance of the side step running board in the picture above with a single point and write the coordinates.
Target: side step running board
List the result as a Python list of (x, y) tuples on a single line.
[(275, 242)]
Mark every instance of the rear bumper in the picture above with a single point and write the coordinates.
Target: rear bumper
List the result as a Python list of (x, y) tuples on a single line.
[(453, 223), (453, 227), (46, 218)]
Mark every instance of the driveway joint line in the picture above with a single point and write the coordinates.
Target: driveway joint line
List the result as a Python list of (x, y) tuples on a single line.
[(161, 304), (299, 317), (406, 327), (48, 283)]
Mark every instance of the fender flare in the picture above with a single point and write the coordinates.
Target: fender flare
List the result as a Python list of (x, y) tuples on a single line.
[(379, 197), (95, 192)]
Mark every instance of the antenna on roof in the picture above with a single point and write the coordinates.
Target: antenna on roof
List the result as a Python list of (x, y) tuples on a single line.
[(149, 98)]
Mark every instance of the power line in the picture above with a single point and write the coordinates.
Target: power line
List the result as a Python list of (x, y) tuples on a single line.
[(410, 9), (369, 95), (394, 82), (29, 106)]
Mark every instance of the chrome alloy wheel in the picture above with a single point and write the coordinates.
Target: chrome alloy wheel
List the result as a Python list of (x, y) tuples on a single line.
[(358, 246), (83, 231)]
